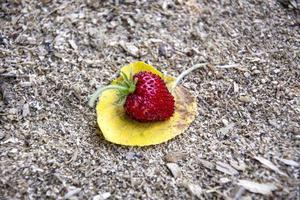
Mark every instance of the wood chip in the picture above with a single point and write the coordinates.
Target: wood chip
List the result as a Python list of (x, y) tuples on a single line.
[(289, 162), (26, 84), (224, 180), (225, 130), (206, 164), (130, 22), (6, 92), (2, 134), (245, 99), (72, 193), (239, 193), (130, 1), (194, 189), (235, 87), (130, 48), (103, 196), (73, 45), (239, 165), (174, 169), (74, 157), (25, 110), (269, 165), (261, 188), (174, 156), (53, 54), (226, 168)]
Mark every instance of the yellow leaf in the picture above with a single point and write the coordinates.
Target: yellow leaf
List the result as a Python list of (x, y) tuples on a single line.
[(139, 66), (118, 128)]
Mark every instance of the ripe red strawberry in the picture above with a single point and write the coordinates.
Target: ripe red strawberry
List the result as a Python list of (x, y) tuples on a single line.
[(151, 100), (146, 96)]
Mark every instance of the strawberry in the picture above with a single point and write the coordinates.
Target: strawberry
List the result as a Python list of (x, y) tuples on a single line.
[(151, 100), (146, 97)]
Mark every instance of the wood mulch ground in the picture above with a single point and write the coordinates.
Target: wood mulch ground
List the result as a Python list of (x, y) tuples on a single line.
[(244, 144)]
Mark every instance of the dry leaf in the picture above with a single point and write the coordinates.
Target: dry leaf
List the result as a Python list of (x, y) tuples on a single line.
[(261, 188), (175, 169), (226, 168), (269, 164), (118, 128)]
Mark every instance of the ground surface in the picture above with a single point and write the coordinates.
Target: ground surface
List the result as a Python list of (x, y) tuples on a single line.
[(55, 53)]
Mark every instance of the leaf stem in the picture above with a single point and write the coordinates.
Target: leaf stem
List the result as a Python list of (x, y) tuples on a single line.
[(197, 66), (186, 72)]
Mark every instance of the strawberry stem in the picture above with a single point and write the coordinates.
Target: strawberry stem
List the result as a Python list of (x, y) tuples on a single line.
[(98, 92), (124, 88)]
